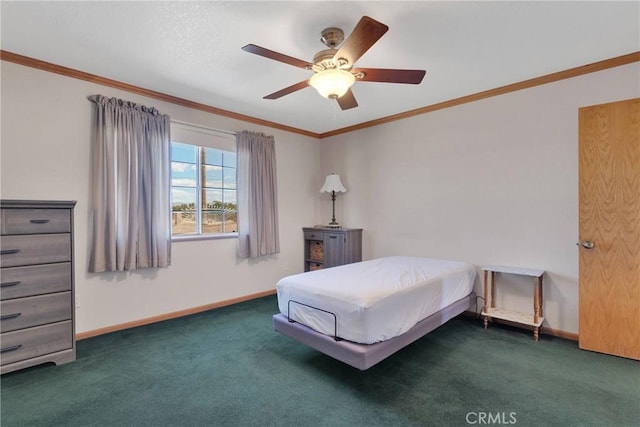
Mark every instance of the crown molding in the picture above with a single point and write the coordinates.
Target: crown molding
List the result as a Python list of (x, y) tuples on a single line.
[(81, 75), (526, 84)]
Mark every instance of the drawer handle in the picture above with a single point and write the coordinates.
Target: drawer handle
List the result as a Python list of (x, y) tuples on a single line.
[(9, 284), (333, 237), (39, 221), (12, 348), (9, 251), (10, 316)]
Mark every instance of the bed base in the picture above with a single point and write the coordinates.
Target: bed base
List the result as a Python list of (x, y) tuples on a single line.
[(364, 356)]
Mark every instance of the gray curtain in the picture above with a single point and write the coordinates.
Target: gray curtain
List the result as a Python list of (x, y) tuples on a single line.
[(257, 195), (131, 205)]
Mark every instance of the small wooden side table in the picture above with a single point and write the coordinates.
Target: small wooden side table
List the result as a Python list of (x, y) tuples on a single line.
[(490, 310)]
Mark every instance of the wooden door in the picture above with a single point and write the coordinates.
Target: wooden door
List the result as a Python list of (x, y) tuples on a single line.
[(609, 218)]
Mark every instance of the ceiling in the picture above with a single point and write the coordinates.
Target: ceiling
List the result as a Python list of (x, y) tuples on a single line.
[(191, 50)]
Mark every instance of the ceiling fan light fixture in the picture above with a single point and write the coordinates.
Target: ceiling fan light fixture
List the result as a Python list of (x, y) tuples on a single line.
[(333, 67), (332, 83)]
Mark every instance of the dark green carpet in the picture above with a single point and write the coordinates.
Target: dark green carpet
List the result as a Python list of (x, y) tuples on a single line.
[(227, 367)]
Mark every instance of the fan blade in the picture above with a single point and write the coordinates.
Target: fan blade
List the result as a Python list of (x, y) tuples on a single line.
[(288, 90), (347, 101), (252, 48), (389, 75), (364, 35)]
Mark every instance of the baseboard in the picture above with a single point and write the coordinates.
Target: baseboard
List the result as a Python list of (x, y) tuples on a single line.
[(543, 330), (172, 315)]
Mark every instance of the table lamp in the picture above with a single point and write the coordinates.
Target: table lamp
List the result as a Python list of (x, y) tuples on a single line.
[(332, 184)]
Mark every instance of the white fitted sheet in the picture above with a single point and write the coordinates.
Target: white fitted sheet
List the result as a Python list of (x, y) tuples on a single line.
[(374, 300)]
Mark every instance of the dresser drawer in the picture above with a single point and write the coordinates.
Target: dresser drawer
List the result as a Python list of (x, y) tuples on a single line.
[(33, 311), (35, 221), (32, 342), (33, 280), (34, 249)]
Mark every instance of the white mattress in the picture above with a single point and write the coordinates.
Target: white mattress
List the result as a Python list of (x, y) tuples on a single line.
[(374, 300)]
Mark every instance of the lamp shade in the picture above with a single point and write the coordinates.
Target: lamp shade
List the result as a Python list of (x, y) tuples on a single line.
[(332, 83), (333, 183)]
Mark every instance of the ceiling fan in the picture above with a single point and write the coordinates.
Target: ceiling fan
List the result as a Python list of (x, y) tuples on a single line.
[(333, 67)]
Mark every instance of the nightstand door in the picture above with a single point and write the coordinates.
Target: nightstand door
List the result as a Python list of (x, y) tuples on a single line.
[(334, 249)]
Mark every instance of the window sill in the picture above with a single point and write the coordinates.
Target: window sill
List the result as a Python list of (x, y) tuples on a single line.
[(192, 237)]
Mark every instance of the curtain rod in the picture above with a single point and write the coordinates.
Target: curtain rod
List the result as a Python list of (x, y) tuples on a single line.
[(228, 132)]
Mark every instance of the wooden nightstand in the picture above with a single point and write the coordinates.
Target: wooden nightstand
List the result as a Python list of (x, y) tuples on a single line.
[(330, 247), (490, 310)]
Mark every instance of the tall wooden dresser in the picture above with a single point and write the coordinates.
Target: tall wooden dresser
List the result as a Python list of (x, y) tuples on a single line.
[(36, 283)]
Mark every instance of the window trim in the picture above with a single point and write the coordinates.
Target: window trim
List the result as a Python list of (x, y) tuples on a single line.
[(190, 237), (198, 235)]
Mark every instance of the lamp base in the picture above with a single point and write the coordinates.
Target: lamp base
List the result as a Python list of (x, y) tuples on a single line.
[(333, 226)]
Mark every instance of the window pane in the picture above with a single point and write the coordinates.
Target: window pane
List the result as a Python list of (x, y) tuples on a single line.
[(229, 198), (212, 211), (230, 212), (212, 221), (183, 174), (183, 152), (212, 199), (212, 176), (229, 177), (229, 159), (183, 212), (211, 156)]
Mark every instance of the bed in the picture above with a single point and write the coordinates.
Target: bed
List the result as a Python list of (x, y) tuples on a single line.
[(363, 312)]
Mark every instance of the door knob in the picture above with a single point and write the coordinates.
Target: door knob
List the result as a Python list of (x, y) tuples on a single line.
[(587, 244)]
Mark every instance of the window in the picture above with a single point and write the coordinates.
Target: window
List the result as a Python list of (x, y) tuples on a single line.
[(203, 182)]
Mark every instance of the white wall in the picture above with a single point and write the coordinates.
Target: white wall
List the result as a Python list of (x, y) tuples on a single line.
[(45, 154), (489, 182)]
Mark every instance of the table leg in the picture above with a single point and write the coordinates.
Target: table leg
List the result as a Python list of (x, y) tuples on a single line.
[(541, 301), (486, 291), (493, 289), (486, 298), (535, 333), (536, 297)]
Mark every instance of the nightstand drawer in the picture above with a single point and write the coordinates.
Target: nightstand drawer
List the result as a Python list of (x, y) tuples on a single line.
[(34, 249), (313, 235), (313, 266), (33, 280), (34, 311), (316, 250), (35, 221), (32, 342)]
